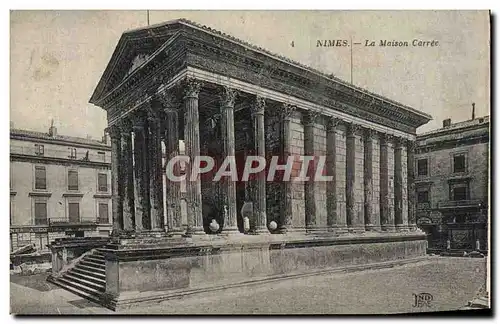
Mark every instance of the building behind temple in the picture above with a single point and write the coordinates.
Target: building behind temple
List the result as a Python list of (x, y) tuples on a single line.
[(60, 186), (452, 172)]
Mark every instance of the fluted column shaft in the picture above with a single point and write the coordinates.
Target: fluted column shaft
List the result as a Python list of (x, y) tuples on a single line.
[(192, 146), (228, 98), (351, 175), (258, 108), (286, 148), (172, 188), (368, 180), (140, 175), (400, 186), (412, 219), (334, 224), (116, 181), (386, 183), (127, 176), (310, 118), (155, 174)]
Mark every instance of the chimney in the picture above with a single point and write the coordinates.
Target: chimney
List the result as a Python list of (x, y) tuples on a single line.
[(52, 129), (473, 111), (446, 123)]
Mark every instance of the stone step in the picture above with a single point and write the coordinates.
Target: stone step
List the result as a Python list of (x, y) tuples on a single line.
[(97, 265), (91, 268), (90, 296), (80, 286), (94, 274), (97, 280), (94, 258), (83, 282)]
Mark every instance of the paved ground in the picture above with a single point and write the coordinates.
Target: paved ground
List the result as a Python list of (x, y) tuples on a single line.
[(451, 281)]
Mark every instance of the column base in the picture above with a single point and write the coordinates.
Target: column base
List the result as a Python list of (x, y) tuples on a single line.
[(372, 228), (230, 231), (315, 229), (194, 231), (261, 230), (388, 228), (175, 232), (402, 228)]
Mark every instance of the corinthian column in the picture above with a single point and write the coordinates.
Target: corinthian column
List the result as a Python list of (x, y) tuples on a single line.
[(192, 89), (155, 174), (310, 118), (228, 98), (286, 151), (412, 220), (386, 183), (127, 176), (370, 220), (333, 221), (257, 109), (172, 188), (140, 174), (400, 186), (116, 183)]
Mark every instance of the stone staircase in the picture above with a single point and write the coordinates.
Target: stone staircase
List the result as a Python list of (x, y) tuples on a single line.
[(87, 277)]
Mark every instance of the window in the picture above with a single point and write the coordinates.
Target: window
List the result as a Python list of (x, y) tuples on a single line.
[(40, 178), (102, 182), (459, 193), (459, 163), (103, 213), (101, 156), (72, 153), (39, 149), (74, 212), (423, 197), (422, 167), (72, 180), (40, 213)]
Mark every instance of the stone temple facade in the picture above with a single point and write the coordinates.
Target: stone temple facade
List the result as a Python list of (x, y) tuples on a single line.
[(224, 97)]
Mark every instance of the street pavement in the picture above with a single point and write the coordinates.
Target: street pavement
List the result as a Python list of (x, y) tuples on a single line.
[(452, 282)]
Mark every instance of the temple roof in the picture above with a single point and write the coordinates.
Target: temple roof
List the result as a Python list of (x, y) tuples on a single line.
[(146, 40)]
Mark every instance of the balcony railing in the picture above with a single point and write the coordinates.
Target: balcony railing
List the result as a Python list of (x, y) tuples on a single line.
[(470, 203), (67, 222)]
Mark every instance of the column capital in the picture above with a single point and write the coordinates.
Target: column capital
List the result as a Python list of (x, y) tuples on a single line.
[(332, 123), (228, 96), (399, 142), (192, 88), (369, 133), (138, 120), (412, 145), (353, 129), (114, 132), (386, 138), (287, 111), (168, 100), (310, 117), (259, 105), (125, 126)]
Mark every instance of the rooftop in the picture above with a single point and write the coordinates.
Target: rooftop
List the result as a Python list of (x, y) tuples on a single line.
[(55, 137), (457, 126)]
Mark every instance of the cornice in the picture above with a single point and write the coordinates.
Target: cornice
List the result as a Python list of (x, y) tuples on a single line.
[(59, 161), (192, 37)]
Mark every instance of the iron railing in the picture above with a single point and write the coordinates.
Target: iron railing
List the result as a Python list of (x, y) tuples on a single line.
[(460, 203)]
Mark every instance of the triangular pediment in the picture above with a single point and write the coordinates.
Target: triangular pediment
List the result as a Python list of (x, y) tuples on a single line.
[(133, 49)]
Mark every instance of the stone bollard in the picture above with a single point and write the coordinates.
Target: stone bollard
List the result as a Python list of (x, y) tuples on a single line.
[(478, 245), (448, 245)]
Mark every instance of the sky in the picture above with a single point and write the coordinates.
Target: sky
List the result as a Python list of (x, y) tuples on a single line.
[(58, 57)]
